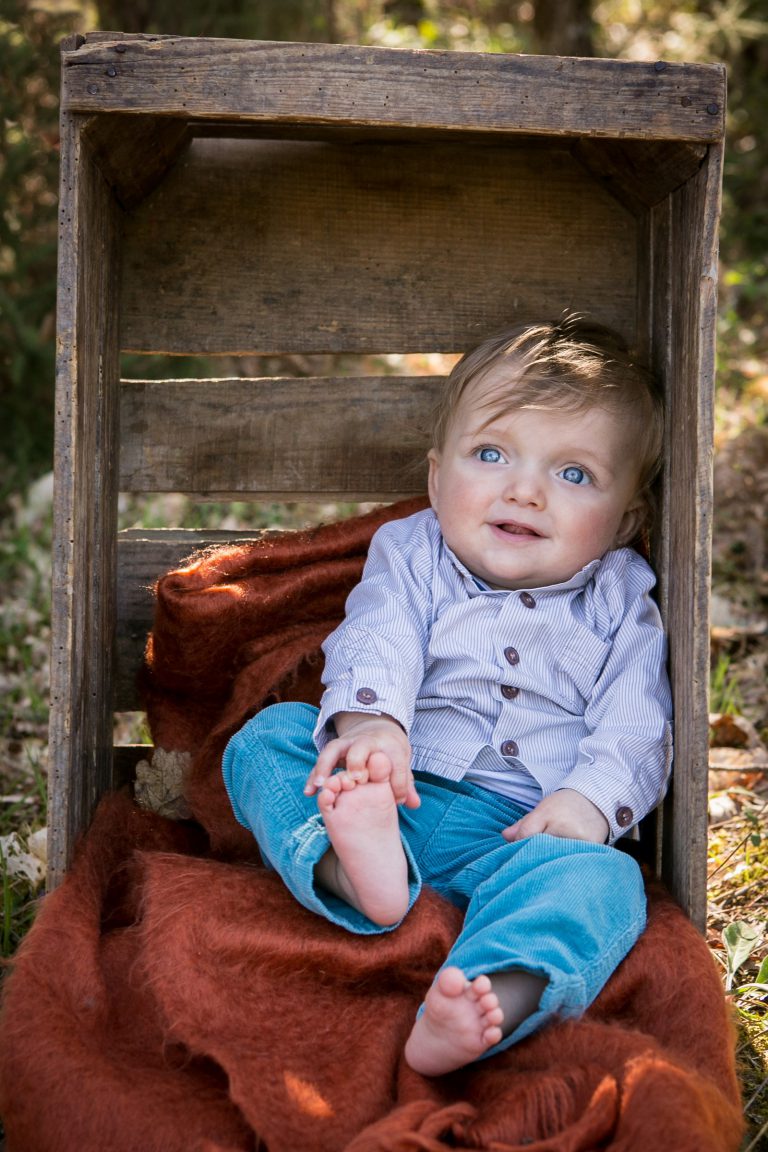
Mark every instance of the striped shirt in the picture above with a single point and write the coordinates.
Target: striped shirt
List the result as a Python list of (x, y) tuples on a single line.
[(524, 692)]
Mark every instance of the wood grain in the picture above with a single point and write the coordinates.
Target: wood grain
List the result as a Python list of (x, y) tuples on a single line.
[(640, 173), (269, 246), (85, 503), (363, 438), (135, 153), (693, 262), (198, 78)]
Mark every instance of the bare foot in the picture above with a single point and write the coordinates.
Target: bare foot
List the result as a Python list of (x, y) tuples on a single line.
[(461, 1020), (366, 865)]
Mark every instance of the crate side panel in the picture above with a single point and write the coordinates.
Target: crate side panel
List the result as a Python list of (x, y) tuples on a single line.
[(85, 498), (688, 519), (244, 248)]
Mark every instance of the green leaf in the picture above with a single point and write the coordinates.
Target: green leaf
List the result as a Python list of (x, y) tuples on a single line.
[(740, 941), (762, 974)]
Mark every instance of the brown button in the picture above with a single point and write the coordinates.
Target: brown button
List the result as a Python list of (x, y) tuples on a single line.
[(624, 816), (366, 696), (512, 655), (509, 748), (527, 599), (510, 691)]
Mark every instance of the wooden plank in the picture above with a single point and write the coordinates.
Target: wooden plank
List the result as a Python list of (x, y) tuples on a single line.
[(143, 556), (693, 263), (87, 378), (362, 438), (198, 78), (658, 284), (270, 246), (660, 287), (135, 153), (641, 172)]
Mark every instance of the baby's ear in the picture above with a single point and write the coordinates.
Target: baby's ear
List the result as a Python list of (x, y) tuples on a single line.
[(432, 482), (633, 521)]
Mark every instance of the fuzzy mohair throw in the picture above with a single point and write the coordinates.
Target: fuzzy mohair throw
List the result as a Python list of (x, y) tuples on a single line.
[(173, 997)]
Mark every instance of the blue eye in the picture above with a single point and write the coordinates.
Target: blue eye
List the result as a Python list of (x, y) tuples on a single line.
[(489, 455), (575, 475)]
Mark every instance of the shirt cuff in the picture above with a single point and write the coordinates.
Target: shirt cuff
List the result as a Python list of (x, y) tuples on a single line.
[(622, 814), (365, 695)]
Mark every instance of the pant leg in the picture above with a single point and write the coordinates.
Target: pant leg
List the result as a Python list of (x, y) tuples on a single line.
[(265, 766), (567, 910)]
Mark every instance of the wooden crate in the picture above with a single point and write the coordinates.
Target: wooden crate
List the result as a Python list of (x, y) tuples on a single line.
[(230, 197)]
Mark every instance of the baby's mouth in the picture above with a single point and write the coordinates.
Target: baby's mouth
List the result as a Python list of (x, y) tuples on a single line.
[(513, 529)]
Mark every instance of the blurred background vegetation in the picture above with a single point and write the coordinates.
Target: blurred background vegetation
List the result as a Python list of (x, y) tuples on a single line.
[(731, 31)]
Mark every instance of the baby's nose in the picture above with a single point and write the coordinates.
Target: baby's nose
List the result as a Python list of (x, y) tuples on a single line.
[(524, 486)]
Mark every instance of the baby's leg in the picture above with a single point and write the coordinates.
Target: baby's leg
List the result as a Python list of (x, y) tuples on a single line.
[(366, 865), (565, 912), (463, 1018)]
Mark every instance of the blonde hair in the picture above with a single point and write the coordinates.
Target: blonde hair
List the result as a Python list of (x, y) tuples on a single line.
[(571, 366)]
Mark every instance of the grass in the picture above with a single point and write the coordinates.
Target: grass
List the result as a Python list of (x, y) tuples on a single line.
[(738, 848), (738, 936), (724, 695), (25, 541)]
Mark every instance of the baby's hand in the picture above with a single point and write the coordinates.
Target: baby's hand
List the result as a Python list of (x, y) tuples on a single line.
[(371, 748), (564, 813)]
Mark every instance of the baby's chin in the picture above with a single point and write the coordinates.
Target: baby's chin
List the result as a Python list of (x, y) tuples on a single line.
[(502, 582)]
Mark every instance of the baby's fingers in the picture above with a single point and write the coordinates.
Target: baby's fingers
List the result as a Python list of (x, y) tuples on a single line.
[(530, 825), (401, 783), (412, 798), (379, 767), (331, 756)]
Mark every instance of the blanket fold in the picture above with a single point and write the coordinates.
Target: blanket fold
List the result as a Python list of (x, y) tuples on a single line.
[(173, 997)]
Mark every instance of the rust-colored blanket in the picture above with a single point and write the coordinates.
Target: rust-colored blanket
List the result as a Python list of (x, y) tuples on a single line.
[(172, 996)]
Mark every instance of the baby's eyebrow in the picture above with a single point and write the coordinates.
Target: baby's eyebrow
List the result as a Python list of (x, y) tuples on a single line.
[(481, 433)]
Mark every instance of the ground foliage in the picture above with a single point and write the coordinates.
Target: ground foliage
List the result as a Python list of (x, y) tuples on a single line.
[(733, 31)]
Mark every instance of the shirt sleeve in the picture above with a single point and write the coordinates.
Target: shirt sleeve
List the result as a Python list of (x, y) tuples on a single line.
[(375, 659), (624, 762)]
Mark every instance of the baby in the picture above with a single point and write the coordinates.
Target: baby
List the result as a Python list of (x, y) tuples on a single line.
[(497, 711)]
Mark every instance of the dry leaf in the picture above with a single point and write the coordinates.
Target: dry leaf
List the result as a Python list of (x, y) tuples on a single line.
[(159, 785), (730, 731), (18, 862)]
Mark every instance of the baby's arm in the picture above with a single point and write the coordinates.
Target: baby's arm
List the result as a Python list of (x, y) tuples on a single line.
[(565, 813), (622, 765), (371, 748)]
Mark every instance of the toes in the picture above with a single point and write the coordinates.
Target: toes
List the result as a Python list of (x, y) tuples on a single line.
[(326, 800), (488, 1002), (494, 1017), (452, 982), (481, 986), (492, 1036)]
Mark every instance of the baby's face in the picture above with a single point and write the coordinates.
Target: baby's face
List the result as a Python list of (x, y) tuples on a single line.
[(527, 500)]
